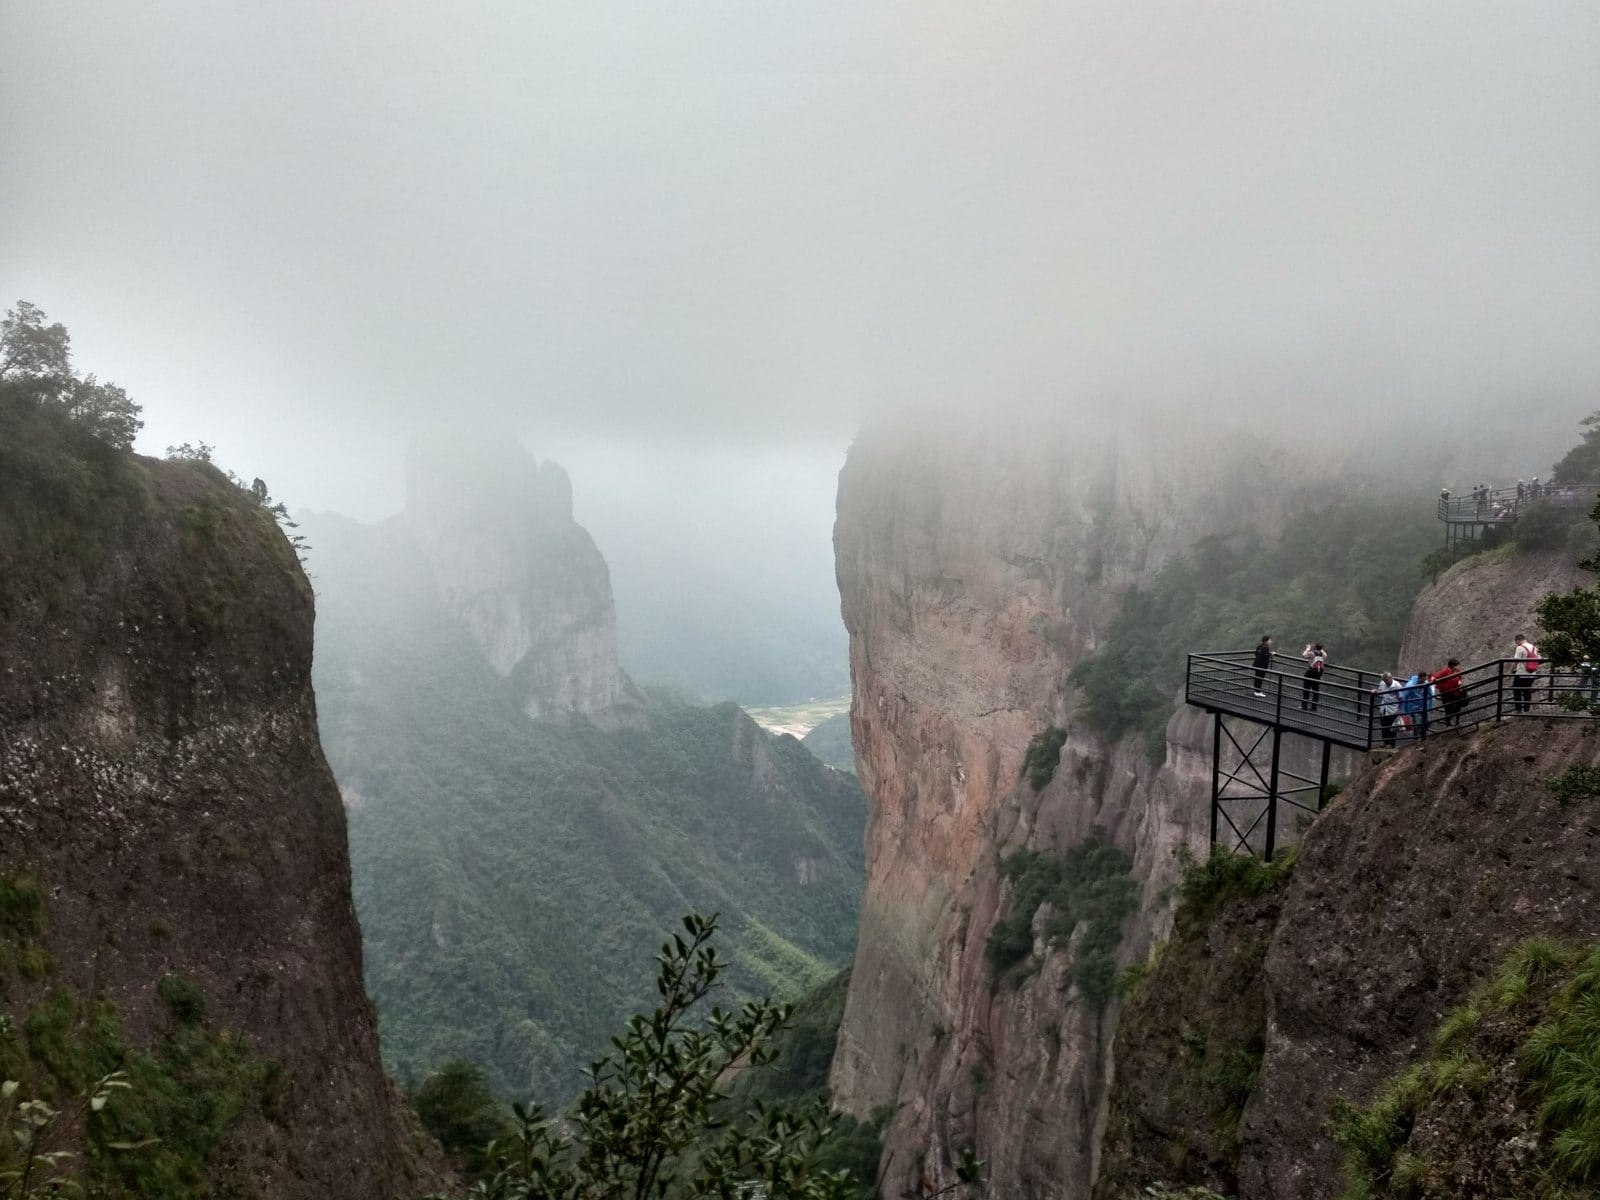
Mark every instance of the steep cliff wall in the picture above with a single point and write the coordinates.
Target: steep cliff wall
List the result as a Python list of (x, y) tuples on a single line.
[(160, 773), (974, 573), (495, 527), (1474, 609), (1408, 893)]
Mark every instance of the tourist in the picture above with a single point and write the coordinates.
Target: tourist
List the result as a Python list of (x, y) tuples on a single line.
[(1263, 664), (1415, 700), (1311, 688), (1448, 687), (1525, 668), (1387, 698)]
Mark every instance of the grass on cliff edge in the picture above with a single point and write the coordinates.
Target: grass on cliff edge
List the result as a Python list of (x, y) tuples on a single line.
[(155, 1139), (1511, 1084)]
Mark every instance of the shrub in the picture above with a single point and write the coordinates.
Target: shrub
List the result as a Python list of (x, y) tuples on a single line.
[(1090, 887), (457, 1108), (1209, 884), (185, 1002), (1578, 782), (1043, 756)]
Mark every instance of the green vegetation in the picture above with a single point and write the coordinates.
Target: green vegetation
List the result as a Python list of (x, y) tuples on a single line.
[(1581, 464), (831, 741), (796, 1076), (456, 1106), (506, 871), (83, 1105), (1578, 782), (1572, 619), (650, 1122), (66, 479), (1089, 887), (1212, 884), (1517, 1059), (1043, 755), (1344, 574)]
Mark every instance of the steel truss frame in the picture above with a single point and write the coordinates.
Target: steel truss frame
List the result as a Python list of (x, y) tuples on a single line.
[(1256, 797)]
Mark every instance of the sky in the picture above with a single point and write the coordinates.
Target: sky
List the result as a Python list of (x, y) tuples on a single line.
[(704, 232)]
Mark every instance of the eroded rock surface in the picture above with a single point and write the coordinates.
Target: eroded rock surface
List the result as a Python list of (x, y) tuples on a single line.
[(975, 573), (160, 772), (1408, 893)]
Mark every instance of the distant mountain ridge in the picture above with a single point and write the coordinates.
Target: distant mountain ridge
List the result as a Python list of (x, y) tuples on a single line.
[(514, 875)]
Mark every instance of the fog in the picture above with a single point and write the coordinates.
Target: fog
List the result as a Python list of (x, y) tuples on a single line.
[(681, 236)]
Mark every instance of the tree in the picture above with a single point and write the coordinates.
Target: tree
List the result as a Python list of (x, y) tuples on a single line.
[(1581, 464), (456, 1106), (1571, 620), (648, 1126), (36, 368)]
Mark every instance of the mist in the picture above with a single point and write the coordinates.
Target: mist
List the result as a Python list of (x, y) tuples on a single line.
[(661, 240)]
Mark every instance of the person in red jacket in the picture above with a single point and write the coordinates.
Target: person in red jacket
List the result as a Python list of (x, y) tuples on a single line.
[(1448, 687)]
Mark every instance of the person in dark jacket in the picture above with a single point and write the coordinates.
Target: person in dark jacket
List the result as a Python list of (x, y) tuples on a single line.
[(1263, 663)]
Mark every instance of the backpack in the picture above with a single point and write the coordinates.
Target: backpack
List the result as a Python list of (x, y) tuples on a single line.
[(1531, 663)]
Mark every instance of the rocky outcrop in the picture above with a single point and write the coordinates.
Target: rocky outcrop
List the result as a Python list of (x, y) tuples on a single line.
[(496, 530), (975, 572), (1407, 894), (160, 773), (1475, 609)]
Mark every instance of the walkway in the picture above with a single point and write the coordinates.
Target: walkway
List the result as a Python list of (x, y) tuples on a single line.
[(1346, 713), (1250, 779)]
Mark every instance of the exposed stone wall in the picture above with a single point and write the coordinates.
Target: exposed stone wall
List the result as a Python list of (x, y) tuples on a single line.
[(975, 570), (160, 771), (496, 529)]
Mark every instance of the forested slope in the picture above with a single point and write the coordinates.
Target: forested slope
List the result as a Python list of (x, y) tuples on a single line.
[(514, 877)]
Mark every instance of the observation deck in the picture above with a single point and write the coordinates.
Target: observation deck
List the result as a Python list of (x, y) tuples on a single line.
[(1251, 782), (1478, 516)]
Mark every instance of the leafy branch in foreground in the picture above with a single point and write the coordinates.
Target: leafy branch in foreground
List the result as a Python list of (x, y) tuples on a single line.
[(647, 1126), (34, 1160)]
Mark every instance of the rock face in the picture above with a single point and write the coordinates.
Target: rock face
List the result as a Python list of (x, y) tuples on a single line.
[(1408, 892), (1475, 609), (160, 772), (974, 573), (495, 527)]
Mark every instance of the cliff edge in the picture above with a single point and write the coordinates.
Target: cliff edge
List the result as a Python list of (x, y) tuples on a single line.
[(161, 777), (1322, 986)]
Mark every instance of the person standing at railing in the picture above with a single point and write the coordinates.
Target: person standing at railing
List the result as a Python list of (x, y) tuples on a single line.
[(1525, 673), (1447, 687), (1482, 493), (1311, 689), (1415, 701), (1589, 681), (1263, 664), (1387, 697)]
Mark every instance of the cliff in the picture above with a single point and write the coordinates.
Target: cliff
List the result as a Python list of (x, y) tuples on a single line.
[(161, 776), (1408, 894), (1475, 609), (515, 876), (975, 572), (496, 531)]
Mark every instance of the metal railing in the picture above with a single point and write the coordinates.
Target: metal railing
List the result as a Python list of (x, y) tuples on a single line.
[(1502, 506), (1344, 707)]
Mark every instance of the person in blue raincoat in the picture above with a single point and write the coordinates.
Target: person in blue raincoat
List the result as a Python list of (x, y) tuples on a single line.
[(1415, 702)]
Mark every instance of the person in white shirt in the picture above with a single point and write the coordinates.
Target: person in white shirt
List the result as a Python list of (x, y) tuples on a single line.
[(1526, 668), (1387, 698)]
